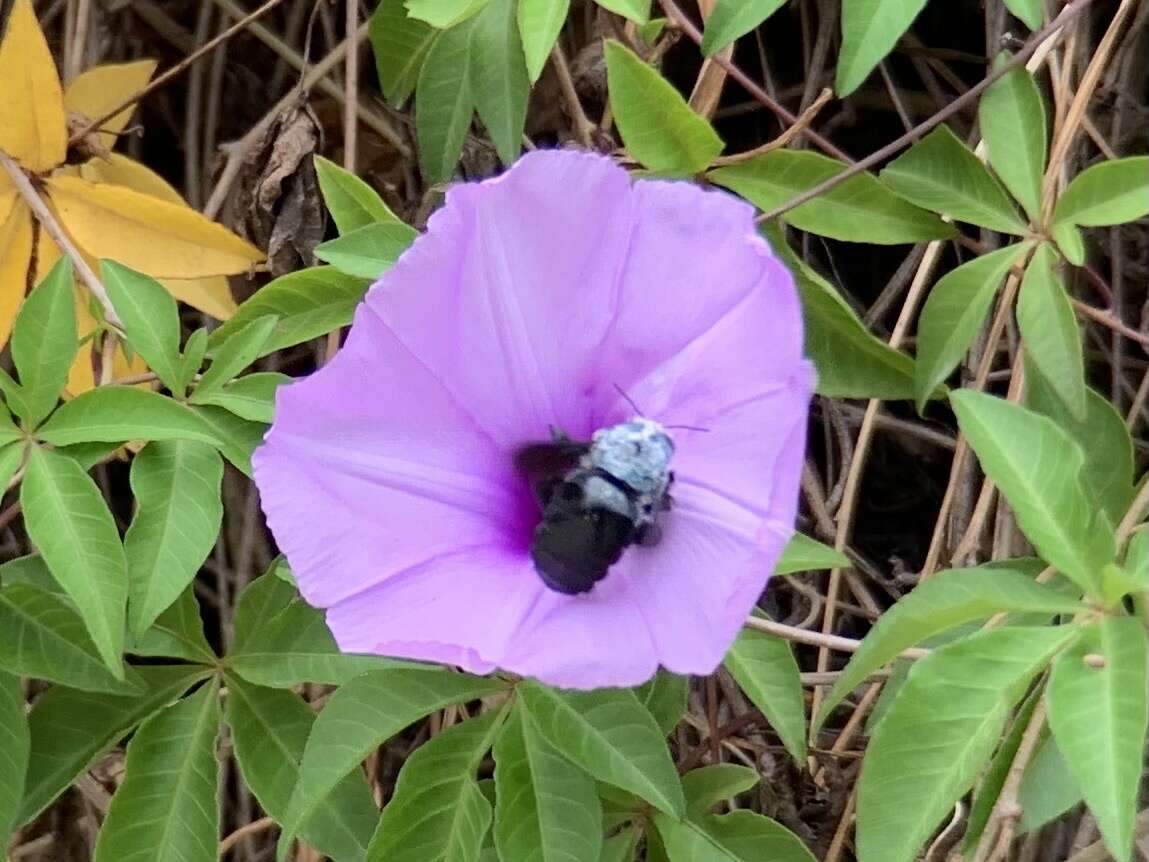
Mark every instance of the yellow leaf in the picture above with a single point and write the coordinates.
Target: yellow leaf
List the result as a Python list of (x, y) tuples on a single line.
[(102, 88), (32, 128), (15, 254), (153, 236), (209, 295)]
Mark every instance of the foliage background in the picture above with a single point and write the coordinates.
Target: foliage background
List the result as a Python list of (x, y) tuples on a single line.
[(232, 134)]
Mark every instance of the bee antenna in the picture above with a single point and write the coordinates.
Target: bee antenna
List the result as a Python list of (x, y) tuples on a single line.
[(686, 428), (628, 399)]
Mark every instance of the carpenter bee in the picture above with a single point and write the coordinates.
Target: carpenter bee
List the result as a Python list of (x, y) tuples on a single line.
[(598, 498)]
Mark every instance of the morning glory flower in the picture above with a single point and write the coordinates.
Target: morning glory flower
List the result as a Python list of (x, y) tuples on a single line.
[(558, 298)]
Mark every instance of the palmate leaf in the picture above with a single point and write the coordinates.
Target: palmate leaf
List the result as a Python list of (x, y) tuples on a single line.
[(706, 786), (637, 11), (177, 633), (1107, 193), (43, 344), (1032, 12), (117, 414), (765, 669), (1038, 468), (163, 239), (730, 19), (1048, 789), (34, 131), (438, 812), (250, 397), (954, 312), (443, 14), (281, 641), (362, 715), (609, 734), (166, 810), (803, 554), (235, 354), (546, 809), (307, 303), (444, 102), (103, 88), (71, 728), (742, 836), (942, 174), (945, 601), (236, 438), (1049, 330), (45, 638), (400, 44), (68, 520), (540, 22), (921, 757), (1012, 119), (367, 251), (176, 484), (861, 209), (501, 86), (352, 203), (657, 125), (870, 28), (269, 729), (14, 745), (1098, 711), (664, 697), (150, 317)]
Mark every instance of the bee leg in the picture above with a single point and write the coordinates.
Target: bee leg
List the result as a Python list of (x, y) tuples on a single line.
[(648, 535)]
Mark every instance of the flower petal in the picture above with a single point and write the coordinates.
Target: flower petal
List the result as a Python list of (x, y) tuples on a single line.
[(100, 89), (33, 130), (373, 467), (509, 293), (153, 236)]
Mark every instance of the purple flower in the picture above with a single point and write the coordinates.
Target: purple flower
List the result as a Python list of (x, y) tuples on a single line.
[(548, 298)]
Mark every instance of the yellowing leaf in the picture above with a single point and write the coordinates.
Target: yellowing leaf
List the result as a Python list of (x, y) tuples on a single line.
[(102, 88), (32, 130), (158, 238), (209, 295), (15, 252)]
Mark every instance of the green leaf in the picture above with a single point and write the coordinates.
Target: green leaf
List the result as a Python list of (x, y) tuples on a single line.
[(659, 129), (1012, 119), (9, 433), (352, 203), (269, 729), (250, 397), (444, 102), (308, 303), (621, 847), (45, 638), (707, 786), (922, 758), (1049, 330), (742, 836), (43, 344), (442, 14), (1107, 193), (176, 484), (851, 362), (1048, 788), (69, 522), (945, 601), (1102, 436), (637, 11), (1098, 711), (177, 633), (71, 728), (368, 251), (731, 19), (166, 810), (1038, 467), (954, 312), (195, 348), (664, 697), (400, 45), (1070, 242), (151, 320), (608, 733), (1031, 12), (11, 458), (765, 669), (942, 174), (547, 809), (236, 438), (438, 812), (499, 72), (540, 22), (235, 354), (117, 414), (870, 28), (803, 554), (362, 715), (14, 745), (281, 641), (861, 209)]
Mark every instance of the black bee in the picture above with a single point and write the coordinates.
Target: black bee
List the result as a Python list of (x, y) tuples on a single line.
[(598, 498)]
